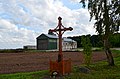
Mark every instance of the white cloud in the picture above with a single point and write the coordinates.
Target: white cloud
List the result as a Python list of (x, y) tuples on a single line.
[(38, 16), (13, 37), (75, 0)]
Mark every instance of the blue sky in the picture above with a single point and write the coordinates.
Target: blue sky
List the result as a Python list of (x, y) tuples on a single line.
[(71, 4), (21, 21)]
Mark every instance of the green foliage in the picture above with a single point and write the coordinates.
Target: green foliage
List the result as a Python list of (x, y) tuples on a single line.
[(87, 49), (106, 14), (115, 40), (96, 40), (116, 51), (78, 39), (11, 50), (28, 75), (99, 70), (22, 50)]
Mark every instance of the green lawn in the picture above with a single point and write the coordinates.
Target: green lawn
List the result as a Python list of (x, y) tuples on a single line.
[(27, 75), (98, 70)]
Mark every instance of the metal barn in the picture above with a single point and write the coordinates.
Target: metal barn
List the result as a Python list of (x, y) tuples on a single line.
[(47, 42)]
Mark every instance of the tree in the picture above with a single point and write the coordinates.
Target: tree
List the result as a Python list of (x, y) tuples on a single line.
[(107, 16), (87, 49), (115, 40)]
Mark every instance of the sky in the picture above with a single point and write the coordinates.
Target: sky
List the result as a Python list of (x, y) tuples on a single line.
[(22, 21)]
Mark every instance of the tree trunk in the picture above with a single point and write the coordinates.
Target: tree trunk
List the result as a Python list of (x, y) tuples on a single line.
[(108, 53), (107, 34)]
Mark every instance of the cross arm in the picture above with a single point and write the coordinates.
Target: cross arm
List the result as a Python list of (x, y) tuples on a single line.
[(64, 29), (52, 30)]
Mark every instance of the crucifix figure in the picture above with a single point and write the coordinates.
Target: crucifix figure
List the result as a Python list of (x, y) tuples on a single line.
[(60, 29)]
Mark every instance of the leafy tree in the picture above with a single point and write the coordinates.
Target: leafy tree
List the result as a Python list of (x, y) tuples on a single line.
[(96, 41), (107, 16), (115, 40), (87, 49), (78, 39)]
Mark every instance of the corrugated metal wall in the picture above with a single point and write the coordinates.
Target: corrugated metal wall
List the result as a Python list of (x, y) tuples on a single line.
[(52, 44), (46, 43), (42, 44)]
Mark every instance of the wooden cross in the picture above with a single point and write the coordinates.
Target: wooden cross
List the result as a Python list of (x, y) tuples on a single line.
[(60, 29)]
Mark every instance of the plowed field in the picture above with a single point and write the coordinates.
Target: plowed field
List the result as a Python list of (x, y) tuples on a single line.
[(27, 62)]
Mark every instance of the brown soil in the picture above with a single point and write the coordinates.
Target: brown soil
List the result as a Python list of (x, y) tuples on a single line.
[(26, 62)]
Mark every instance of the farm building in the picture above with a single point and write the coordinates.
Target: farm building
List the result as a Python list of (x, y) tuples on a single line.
[(51, 42), (46, 42), (68, 44), (29, 47)]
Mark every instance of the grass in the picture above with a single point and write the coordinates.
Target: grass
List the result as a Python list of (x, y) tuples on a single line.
[(27, 75), (93, 49), (116, 51), (99, 70)]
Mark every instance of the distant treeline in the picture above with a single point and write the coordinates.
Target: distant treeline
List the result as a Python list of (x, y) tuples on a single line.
[(97, 41), (11, 50)]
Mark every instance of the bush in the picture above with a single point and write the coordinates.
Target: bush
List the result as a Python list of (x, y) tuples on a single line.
[(87, 49)]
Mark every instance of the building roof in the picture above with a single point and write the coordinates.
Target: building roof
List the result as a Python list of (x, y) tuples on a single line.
[(47, 35), (68, 40), (56, 37), (51, 36)]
